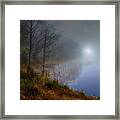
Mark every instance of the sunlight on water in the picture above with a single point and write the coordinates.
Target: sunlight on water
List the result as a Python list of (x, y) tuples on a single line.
[(79, 77)]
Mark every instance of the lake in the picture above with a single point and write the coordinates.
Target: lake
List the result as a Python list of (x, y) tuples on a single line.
[(88, 80)]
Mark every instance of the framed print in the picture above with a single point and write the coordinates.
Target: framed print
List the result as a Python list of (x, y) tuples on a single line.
[(60, 60)]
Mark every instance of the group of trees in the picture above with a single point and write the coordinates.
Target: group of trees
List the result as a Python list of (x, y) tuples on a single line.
[(38, 40)]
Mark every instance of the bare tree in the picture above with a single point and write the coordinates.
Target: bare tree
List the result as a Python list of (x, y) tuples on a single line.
[(51, 37), (38, 39)]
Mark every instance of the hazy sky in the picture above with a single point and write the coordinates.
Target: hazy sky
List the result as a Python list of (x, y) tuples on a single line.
[(82, 45), (80, 37)]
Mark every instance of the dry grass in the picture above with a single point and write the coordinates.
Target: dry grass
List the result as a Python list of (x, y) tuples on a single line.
[(41, 87)]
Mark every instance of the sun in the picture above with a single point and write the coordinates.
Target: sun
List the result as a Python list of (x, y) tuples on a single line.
[(88, 51)]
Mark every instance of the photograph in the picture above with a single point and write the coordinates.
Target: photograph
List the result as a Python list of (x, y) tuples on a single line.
[(59, 59)]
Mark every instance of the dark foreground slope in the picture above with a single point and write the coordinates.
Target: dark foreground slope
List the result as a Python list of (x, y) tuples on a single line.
[(36, 87)]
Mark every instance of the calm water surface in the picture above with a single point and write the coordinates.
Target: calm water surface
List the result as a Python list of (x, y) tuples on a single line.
[(88, 80)]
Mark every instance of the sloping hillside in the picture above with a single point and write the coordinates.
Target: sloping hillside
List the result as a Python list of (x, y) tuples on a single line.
[(36, 87)]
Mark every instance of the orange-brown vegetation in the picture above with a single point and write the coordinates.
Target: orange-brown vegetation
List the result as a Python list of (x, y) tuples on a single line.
[(41, 87)]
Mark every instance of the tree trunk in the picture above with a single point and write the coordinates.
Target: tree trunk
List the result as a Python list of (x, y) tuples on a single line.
[(30, 44), (30, 49), (44, 53)]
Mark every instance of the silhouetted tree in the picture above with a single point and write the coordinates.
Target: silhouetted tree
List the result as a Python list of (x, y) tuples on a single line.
[(38, 39), (29, 36), (50, 40)]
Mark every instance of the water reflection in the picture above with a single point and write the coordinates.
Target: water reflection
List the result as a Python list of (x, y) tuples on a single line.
[(79, 77), (88, 80)]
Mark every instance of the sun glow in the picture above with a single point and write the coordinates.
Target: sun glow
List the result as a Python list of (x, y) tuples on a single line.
[(88, 51)]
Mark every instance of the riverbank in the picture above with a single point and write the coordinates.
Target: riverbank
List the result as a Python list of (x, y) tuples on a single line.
[(42, 88)]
